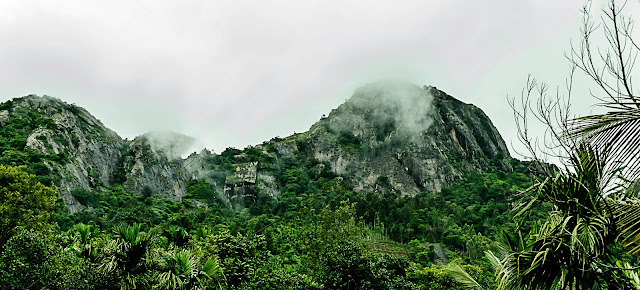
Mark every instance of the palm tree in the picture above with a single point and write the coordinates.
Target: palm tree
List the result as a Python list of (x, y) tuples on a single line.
[(595, 202), (615, 132), (596, 196), (572, 248), (133, 246), (84, 247), (128, 254), (178, 235), (180, 270)]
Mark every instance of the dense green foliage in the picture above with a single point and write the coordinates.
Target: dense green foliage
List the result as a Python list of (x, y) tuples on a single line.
[(575, 247), (24, 202), (318, 234)]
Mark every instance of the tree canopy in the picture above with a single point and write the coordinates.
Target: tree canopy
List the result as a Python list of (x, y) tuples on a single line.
[(24, 202)]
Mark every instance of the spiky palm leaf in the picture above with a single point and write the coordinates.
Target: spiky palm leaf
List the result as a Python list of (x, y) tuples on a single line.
[(83, 246), (569, 249), (627, 217), (630, 273), (134, 246), (180, 270), (84, 231), (462, 277), (179, 236), (213, 270), (202, 233), (616, 132), (127, 254), (110, 258)]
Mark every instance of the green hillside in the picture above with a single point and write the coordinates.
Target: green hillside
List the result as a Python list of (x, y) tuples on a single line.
[(360, 201)]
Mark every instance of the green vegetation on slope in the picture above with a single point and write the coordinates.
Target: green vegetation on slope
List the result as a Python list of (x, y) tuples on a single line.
[(13, 139), (318, 234)]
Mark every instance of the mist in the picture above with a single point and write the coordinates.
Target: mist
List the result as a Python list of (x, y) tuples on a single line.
[(388, 108), (173, 145)]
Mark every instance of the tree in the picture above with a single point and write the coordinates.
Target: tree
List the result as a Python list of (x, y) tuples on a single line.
[(128, 255), (572, 248), (24, 261), (614, 133), (593, 193), (24, 202), (239, 255), (179, 269), (348, 266), (84, 247)]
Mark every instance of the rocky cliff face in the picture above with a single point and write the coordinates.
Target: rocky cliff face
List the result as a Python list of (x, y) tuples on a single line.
[(153, 170), (403, 139), (94, 155), (388, 138), (94, 151)]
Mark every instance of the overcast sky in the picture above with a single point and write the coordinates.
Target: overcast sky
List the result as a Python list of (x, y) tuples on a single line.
[(236, 73)]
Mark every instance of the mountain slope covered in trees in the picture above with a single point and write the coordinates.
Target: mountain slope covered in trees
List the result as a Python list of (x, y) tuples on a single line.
[(383, 192)]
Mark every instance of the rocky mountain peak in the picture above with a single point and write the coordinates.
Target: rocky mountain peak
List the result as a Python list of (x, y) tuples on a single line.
[(91, 156), (383, 108), (64, 114), (420, 139), (387, 138)]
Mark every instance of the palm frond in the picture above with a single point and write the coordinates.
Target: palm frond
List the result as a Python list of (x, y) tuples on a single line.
[(169, 280), (504, 270), (627, 218), (629, 273), (213, 270), (559, 252), (617, 133), (84, 231), (109, 264), (462, 277)]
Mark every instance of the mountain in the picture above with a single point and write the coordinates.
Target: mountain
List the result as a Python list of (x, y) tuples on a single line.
[(420, 139), (381, 193), (387, 138), (67, 146)]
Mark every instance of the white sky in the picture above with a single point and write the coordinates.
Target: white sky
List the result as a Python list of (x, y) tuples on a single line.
[(236, 73)]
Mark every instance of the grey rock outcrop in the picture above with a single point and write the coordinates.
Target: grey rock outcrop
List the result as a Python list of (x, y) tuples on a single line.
[(150, 172), (371, 138), (95, 154), (440, 256), (94, 151), (388, 138), (240, 184)]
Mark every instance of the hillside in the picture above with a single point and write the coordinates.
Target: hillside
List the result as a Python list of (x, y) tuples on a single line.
[(397, 171), (378, 135)]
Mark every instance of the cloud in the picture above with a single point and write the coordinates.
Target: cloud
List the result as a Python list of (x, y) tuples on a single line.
[(173, 145), (235, 73), (383, 110)]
